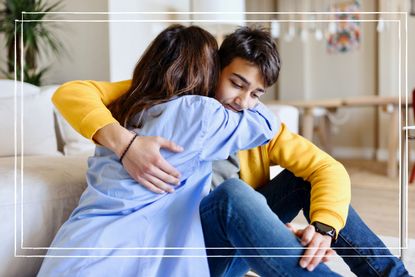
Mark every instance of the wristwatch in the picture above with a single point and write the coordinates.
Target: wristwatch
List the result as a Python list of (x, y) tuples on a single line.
[(325, 230)]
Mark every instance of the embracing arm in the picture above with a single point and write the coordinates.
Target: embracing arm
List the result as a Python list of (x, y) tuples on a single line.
[(83, 105), (229, 132)]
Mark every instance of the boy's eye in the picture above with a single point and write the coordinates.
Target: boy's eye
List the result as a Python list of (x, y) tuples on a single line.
[(236, 84), (256, 95)]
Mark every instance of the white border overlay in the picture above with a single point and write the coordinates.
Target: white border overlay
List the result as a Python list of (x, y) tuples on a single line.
[(403, 240)]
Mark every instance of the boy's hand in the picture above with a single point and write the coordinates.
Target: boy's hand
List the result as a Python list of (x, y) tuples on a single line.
[(145, 164), (143, 160), (318, 246)]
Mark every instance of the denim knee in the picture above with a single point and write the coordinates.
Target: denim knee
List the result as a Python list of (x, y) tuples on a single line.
[(237, 195)]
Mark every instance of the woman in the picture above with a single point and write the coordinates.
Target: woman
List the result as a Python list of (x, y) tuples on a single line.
[(167, 98)]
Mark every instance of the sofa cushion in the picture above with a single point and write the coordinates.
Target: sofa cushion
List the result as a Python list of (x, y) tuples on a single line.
[(73, 142), (51, 187), (33, 116)]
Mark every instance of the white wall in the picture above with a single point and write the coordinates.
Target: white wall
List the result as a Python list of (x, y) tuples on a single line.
[(128, 40)]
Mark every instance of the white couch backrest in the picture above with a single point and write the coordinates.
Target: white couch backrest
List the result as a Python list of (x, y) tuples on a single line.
[(29, 113), (7, 88)]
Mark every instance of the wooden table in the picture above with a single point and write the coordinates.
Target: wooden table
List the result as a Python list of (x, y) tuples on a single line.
[(388, 104)]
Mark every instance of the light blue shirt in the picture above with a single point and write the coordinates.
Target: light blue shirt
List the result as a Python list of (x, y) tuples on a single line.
[(116, 212)]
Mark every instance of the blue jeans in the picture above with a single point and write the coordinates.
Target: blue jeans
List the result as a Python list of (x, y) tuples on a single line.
[(236, 217)]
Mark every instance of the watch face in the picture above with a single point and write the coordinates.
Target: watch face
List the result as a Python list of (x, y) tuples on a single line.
[(324, 229)]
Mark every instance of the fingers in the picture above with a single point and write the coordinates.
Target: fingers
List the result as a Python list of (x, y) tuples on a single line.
[(318, 246), (291, 227), (329, 254), (309, 254), (297, 232), (161, 175), (164, 143), (145, 176), (159, 179), (149, 186), (154, 184), (164, 165), (307, 235), (316, 259), (147, 166), (171, 174), (158, 183), (322, 254)]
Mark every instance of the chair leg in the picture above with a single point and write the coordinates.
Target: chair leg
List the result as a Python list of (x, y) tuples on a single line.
[(412, 178), (322, 130)]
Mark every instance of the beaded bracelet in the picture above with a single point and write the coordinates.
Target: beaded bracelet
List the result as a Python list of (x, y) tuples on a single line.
[(128, 147)]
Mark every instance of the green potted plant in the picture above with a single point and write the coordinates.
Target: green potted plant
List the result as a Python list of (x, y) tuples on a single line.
[(38, 37)]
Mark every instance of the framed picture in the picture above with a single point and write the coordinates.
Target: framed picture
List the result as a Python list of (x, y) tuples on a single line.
[(412, 7)]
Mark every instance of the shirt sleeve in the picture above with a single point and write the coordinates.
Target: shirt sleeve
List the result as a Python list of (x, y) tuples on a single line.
[(83, 104), (227, 132), (330, 182)]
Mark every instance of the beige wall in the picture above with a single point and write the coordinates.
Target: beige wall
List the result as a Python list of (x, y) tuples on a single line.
[(389, 63), (309, 73), (86, 43)]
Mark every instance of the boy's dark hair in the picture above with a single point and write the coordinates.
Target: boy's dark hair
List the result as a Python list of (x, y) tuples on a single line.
[(255, 45)]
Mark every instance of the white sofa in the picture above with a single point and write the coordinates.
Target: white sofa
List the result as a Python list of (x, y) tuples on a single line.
[(39, 189)]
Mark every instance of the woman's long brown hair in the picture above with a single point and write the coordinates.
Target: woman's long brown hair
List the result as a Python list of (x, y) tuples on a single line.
[(180, 61)]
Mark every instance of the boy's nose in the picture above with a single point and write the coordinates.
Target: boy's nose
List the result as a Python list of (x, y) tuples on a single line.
[(242, 101)]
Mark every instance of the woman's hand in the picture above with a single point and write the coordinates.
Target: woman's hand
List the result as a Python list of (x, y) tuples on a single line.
[(143, 160), (318, 246)]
